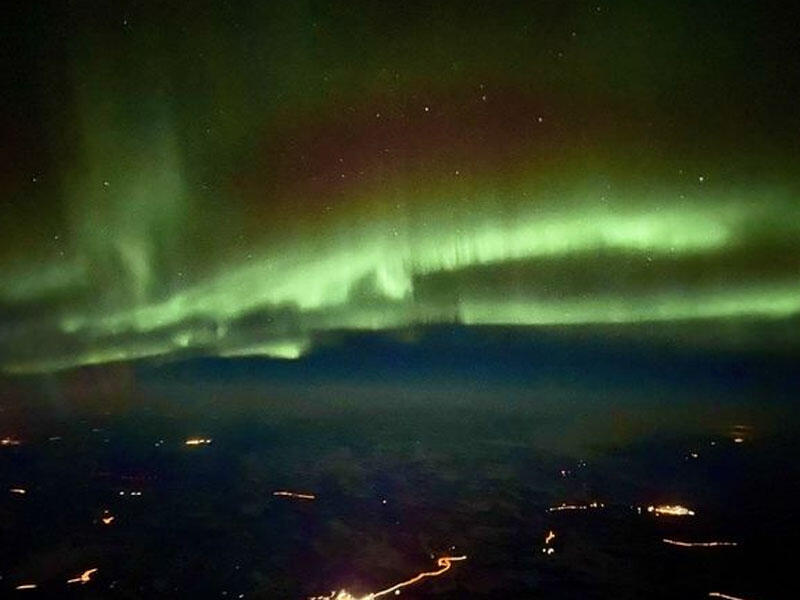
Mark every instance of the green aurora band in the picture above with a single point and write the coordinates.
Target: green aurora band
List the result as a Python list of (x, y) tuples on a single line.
[(253, 227)]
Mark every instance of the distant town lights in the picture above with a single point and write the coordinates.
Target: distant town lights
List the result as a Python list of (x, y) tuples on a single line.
[(198, 441), (672, 510)]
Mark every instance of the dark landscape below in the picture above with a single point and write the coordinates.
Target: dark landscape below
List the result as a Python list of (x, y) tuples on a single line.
[(401, 472)]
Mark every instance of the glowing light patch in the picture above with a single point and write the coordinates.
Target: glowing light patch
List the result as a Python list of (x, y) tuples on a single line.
[(198, 441), (18, 491), (298, 495), (697, 544), (444, 563), (287, 350), (671, 510), (26, 586), (565, 506), (739, 433), (724, 596), (548, 549), (9, 441), (84, 577)]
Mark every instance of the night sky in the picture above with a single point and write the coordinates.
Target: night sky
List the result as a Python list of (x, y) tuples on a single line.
[(259, 178), (486, 300)]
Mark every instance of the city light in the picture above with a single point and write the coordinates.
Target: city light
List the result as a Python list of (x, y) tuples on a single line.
[(198, 441), (547, 548), (671, 510), (698, 544), (84, 577), (565, 506), (298, 495)]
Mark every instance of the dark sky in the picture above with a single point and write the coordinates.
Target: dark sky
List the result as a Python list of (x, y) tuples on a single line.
[(249, 178)]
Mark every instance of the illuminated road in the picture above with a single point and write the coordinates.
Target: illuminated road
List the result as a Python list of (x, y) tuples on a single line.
[(84, 577), (698, 544), (297, 495), (444, 563)]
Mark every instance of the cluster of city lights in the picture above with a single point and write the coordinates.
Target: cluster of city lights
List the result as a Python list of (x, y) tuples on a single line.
[(565, 506), (671, 510), (198, 441), (547, 548)]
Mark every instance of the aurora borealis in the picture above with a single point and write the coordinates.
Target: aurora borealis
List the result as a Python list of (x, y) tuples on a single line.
[(242, 179)]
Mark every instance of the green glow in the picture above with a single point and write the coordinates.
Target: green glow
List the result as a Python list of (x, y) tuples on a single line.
[(548, 233), (388, 256), (36, 281), (364, 274), (325, 170), (365, 278), (766, 303), (97, 356), (285, 349)]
